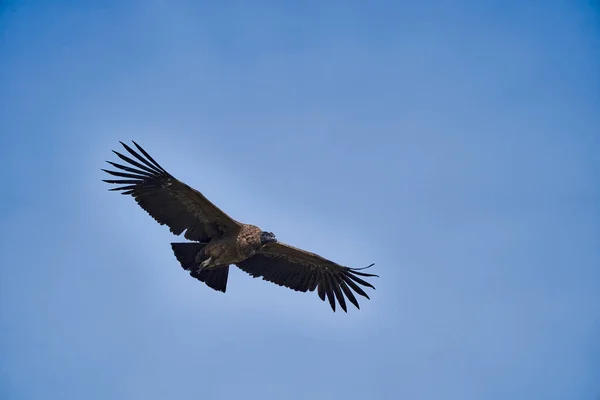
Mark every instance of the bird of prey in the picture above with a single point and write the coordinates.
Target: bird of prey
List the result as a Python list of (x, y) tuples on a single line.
[(218, 241)]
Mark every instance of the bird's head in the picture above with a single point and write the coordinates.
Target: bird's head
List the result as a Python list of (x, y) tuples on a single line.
[(266, 237)]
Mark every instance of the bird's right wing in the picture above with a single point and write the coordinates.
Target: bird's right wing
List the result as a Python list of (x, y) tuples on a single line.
[(301, 270), (169, 201)]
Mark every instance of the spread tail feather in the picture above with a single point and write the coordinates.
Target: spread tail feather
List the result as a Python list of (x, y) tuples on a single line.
[(215, 278)]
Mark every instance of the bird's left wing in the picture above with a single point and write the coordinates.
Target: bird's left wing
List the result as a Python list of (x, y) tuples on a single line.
[(303, 271), (168, 200)]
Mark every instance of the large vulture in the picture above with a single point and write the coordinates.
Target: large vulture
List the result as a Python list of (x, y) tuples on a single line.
[(219, 240)]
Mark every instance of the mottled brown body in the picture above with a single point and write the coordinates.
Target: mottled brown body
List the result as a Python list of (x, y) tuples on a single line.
[(232, 249)]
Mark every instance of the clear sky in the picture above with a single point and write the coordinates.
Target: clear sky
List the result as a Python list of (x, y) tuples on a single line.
[(455, 144)]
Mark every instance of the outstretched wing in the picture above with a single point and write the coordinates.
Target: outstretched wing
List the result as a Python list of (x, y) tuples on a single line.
[(303, 271), (169, 201)]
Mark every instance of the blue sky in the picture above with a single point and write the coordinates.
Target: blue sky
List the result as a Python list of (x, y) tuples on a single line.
[(454, 144)]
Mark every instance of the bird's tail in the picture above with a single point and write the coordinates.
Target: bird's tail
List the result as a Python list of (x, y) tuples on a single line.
[(188, 256)]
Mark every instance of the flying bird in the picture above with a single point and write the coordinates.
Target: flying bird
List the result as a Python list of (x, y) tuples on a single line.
[(218, 241)]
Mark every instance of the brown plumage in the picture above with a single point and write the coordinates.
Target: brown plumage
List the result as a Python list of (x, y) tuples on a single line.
[(220, 241)]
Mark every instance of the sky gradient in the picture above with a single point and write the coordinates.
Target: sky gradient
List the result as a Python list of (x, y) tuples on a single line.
[(454, 144)]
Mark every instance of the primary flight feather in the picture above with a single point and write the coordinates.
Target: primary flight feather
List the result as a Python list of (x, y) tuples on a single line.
[(219, 241)]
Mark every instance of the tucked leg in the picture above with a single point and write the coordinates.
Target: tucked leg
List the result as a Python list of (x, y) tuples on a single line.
[(204, 264)]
